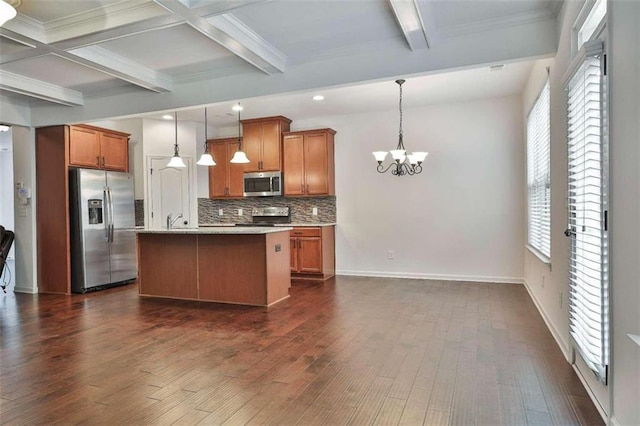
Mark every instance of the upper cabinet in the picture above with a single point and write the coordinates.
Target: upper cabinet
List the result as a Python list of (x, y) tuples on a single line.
[(225, 178), (97, 148), (262, 141), (309, 166)]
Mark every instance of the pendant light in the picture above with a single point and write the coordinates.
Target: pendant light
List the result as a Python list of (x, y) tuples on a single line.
[(176, 161), (8, 10), (404, 163), (206, 159), (239, 157)]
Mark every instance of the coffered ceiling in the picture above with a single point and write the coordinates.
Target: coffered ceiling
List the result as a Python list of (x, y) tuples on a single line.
[(77, 60)]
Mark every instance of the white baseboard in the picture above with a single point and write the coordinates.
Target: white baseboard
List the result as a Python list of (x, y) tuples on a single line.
[(440, 277), (562, 343), (22, 289), (595, 401)]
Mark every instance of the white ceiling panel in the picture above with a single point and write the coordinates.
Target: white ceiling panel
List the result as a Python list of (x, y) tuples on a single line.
[(55, 70), (8, 46), (48, 10), (297, 27), (168, 48)]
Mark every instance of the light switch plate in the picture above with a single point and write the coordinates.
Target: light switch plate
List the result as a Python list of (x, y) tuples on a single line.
[(239, 212), (220, 212), (314, 211)]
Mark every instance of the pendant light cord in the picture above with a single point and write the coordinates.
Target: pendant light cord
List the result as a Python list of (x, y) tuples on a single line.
[(206, 138), (175, 146), (239, 138), (400, 133)]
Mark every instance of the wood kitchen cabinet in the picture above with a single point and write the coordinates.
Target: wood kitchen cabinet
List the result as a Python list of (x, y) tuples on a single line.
[(312, 252), (225, 178), (57, 149), (96, 148), (262, 142), (309, 167)]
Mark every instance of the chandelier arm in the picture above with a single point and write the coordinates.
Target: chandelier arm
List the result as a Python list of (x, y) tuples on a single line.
[(382, 169)]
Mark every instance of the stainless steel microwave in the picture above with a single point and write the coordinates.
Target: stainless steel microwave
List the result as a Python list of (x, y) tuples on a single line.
[(262, 184)]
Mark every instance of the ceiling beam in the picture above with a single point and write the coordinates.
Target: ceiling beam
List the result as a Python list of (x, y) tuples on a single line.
[(93, 57), (407, 13), (232, 35), (120, 67), (39, 89)]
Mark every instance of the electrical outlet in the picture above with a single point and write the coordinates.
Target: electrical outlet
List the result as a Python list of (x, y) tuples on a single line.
[(22, 211), (220, 212), (239, 212), (314, 211), (391, 254)]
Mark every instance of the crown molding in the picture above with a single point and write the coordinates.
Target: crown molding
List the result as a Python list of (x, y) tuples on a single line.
[(27, 26), (39, 89), (103, 18)]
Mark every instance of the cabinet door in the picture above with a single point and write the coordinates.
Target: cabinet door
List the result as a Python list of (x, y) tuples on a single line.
[(310, 254), (294, 254), (316, 164), (271, 146), (252, 145), (218, 173), (84, 147), (235, 184), (114, 150), (293, 165)]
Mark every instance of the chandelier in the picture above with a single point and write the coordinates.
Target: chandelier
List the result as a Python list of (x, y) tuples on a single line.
[(403, 163)]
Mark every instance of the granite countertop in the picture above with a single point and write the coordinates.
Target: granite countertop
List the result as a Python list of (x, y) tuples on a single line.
[(217, 230)]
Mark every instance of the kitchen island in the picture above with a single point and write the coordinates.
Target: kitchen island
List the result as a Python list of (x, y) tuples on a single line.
[(241, 265)]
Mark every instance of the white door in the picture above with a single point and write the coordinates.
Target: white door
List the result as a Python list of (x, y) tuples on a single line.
[(169, 193)]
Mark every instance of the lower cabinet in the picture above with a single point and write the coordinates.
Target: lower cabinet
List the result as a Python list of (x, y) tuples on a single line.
[(313, 252)]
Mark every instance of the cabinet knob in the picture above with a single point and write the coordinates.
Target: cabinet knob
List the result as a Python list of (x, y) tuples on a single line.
[(98, 160)]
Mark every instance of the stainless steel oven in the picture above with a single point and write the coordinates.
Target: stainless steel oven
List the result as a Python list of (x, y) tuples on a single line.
[(262, 184)]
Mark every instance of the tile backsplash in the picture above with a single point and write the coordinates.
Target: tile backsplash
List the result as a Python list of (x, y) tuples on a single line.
[(301, 209)]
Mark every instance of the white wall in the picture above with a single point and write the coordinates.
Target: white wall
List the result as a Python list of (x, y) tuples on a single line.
[(6, 202), (24, 155), (14, 111), (620, 399), (460, 219), (624, 77)]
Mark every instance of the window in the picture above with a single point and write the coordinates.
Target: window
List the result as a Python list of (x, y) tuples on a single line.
[(587, 215), (539, 174), (591, 23)]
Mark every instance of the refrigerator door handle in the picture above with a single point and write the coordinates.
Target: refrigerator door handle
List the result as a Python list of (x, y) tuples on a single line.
[(107, 213), (110, 215)]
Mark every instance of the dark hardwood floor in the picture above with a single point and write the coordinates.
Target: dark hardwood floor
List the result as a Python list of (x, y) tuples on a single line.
[(347, 351)]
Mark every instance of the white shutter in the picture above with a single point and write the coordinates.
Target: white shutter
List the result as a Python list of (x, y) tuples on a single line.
[(587, 202), (539, 174)]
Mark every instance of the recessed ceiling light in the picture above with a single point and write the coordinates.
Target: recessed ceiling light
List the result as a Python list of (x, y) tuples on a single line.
[(226, 114), (498, 67), (4, 128), (167, 117), (318, 98), (237, 107)]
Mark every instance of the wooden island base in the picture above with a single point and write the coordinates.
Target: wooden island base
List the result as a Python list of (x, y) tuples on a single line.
[(247, 269)]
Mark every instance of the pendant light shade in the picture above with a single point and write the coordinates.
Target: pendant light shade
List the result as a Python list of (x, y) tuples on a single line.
[(176, 161), (239, 157), (206, 159), (7, 11)]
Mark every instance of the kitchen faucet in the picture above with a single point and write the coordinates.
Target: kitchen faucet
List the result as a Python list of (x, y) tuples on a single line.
[(171, 221)]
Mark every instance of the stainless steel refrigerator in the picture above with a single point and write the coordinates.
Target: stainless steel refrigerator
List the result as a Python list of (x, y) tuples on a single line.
[(103, 245)]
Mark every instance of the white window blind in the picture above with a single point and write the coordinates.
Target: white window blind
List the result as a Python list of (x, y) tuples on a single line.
[(587, 201), (539, 174)]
